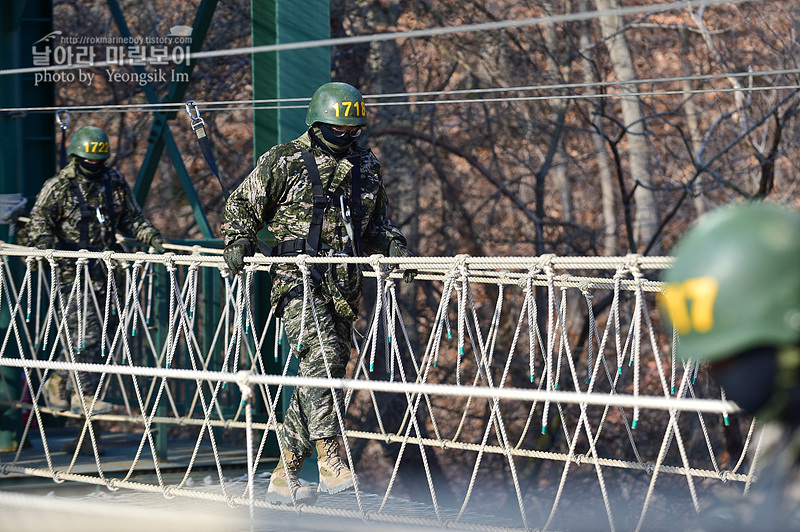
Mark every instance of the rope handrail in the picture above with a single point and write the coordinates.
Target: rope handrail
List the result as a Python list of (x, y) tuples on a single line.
[(520, 262), (245, 377)]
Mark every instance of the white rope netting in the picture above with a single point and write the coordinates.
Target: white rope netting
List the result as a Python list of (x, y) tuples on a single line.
[(539, 384)]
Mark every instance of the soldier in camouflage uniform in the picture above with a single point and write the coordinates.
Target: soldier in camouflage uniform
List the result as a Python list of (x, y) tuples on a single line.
[(81, 208), (280, 193), (733, 295)]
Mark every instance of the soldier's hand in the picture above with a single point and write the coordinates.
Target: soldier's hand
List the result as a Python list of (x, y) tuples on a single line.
[(234, 254), (45, 243), (397, 249), (157, 243)]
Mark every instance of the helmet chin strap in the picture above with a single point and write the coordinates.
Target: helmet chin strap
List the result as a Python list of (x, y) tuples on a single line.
[(750, 378)]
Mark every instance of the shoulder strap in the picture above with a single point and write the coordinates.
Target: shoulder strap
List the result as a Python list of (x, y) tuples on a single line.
[(62, 153), (320, 203), (86, 214), (110, 205), (356, 211)]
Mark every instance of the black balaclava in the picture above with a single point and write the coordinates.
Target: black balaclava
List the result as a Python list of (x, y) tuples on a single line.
[(324, 135), (90, 169), (764, 381), (749, 378)]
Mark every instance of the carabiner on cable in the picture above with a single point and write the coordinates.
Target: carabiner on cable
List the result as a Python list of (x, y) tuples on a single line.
[(345, 209), (63, 122), (196, 120)]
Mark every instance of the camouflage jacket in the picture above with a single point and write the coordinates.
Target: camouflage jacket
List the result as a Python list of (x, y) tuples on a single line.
[(278, 193), (56, 216), (773, 500)]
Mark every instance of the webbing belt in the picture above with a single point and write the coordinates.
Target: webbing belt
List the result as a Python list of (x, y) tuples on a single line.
[(356, 211), (63, 122), (320, 202), (86, 212), (298, 246)]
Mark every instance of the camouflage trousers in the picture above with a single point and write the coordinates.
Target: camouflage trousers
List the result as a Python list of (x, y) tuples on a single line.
[(311, 414), (85, 334)]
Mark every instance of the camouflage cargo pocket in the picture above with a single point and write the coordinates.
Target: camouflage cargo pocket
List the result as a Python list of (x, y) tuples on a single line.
[(344, 282)]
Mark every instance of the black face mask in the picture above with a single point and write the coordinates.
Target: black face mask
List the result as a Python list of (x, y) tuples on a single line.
[(749, 378), (331, 137), (91, 169)]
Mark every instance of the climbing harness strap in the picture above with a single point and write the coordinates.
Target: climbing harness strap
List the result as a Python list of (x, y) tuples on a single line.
[(199, 128), (86, 214), (107, 220), (356, 210), (312, 245), (353, 215), (320, 201), (110, 206)]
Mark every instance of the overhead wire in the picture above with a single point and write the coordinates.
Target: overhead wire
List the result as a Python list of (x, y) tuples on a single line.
[(411, 98), (409, 34), (301, 103)]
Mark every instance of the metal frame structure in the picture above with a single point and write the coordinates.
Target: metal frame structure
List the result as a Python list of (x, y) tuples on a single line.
[(27, 162), (25, 166)]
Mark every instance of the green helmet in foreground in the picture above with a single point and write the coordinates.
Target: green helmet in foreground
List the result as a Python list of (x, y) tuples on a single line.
[(735, 284), (338, 104), (90, 142)]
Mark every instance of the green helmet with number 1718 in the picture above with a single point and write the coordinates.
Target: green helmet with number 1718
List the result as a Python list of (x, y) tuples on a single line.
[(89, 142), (735, 284), (337, 104)]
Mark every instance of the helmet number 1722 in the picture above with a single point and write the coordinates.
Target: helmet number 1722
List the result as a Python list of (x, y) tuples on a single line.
[(95, 147)]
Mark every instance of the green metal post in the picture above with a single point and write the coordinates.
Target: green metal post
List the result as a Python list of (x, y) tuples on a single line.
[(290, 73), (29, 160), (286, 74), (160, 327), (160, 135)]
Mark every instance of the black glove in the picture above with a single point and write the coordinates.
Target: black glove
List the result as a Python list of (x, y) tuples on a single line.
[(45, 243), (234, 254), (398, 249), (157, 243)]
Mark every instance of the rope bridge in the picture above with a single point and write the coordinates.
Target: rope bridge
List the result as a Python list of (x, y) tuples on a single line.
[(511, 378)]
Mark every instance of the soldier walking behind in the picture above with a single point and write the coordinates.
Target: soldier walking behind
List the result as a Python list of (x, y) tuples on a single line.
[(81, 208), (320, 194)]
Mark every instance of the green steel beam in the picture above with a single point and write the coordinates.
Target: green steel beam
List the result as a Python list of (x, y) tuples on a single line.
[(27, 162), (160, 134), (290, 73), (202, 21), (27, 157), (13, 11), (177, 92)]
